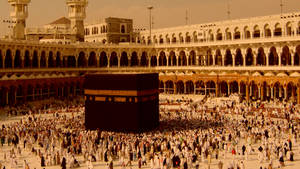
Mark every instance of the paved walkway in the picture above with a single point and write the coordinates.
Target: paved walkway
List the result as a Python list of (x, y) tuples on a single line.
[(34, 161)]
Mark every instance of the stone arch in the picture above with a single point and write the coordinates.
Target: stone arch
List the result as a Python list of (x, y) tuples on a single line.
[(153, 61), (124, 59), (18, 60), (161, 39), (168, 40), (35, 59), (162, 59), (103, 59), (253, 90), (234, 87), (242, 88), (182, 61), (82, 60), (8, 59), (247, 34), (237, 33), (286, 56), (144, 61), (195, 36), (239, 61), (27, 60), (228, 58), (172, 59), (218, 59), (256, 31), (181, 38), (192, 58), (288, 27), (278, 90), (228, 34), (273, 57), (267, 30), (211, 87), (58, 60), (277, 30), (224, 88), (219, 35), (180, 87), (211, 36), (43, 59), (92, 60), (113, 61), (187, 37), (290, 90), (134, 59), (174, 40), (189, 85), (200, 87), (261, 57), (71, 61), (50, 60), (210, 58), (249, 57), (169, 87)]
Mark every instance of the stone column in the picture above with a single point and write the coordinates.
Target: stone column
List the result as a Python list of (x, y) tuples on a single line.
[(205, 88), (247, 92), (187, 60), (165, 90), (214, 57), (262, 95), (184, 86), (259, 92), (272, 92), (108, 62), (197, 60), (149, 62), (175, 88), (239, 88), (292, 58), (217, 89), (119, 62), (280, 91), (279, 58), (228, 89), (285, 92), (267, 59)]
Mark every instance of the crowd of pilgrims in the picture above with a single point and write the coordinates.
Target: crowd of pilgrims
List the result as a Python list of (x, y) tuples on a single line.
[(191, 137)]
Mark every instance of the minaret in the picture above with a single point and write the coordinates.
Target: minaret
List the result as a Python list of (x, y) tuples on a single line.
[(19, 14), (76, 13)]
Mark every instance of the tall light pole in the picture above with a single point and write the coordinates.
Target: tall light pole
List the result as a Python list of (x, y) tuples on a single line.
[(150, 20)]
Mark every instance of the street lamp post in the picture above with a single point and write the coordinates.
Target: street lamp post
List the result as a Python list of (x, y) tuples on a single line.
[(150, 20)]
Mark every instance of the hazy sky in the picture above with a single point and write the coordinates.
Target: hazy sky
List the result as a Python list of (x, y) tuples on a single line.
[(166, 13)]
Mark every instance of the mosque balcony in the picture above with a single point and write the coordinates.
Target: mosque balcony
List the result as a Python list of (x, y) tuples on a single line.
[(259, 41), (157, 69)]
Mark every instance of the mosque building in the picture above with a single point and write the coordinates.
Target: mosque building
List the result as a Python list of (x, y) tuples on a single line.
[(257, 58)]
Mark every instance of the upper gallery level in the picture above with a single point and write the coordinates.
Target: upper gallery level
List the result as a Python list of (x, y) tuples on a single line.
[(255, 28)]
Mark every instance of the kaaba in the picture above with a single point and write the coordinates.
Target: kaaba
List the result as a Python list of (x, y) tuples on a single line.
[(122, 102)]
